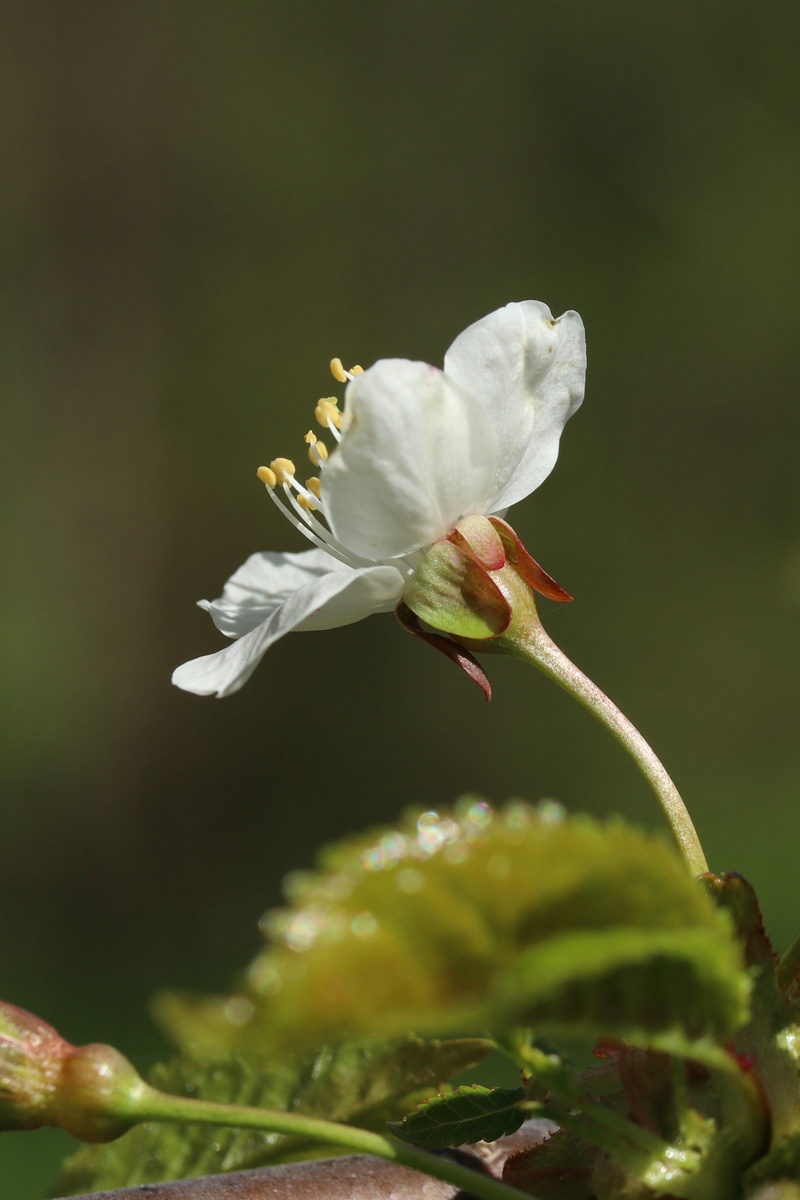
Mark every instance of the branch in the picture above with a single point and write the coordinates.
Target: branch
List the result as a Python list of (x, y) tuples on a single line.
[(351, 1177)]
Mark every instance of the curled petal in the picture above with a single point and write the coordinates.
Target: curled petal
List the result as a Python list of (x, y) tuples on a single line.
[(324, 602), (528, 368), (262, 584), (418, 451)]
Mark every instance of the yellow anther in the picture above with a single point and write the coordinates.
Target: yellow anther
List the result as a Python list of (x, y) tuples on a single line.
[(310, 438), (305, 503), (327, 413), (340, 375), (266, 476), (283, 469), (317, 453), (314, 486)]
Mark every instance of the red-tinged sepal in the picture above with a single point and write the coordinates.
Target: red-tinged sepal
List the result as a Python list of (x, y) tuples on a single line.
[(483, 540), (525, 565), (457, 654)]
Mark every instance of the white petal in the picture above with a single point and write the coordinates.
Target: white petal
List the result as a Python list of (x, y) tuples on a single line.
[(262, 584), (528, 369), (418, 452), (335, 598)]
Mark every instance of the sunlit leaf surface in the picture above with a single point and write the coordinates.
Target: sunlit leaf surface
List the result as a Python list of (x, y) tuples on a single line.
[(482, 920)]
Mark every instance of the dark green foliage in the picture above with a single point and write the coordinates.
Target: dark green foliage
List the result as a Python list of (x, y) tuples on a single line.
[(782, 1164), (766, 1041), (559, 1168), (469, 1114)]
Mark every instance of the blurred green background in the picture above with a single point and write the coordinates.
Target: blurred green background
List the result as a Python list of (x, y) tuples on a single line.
[(201, 204)]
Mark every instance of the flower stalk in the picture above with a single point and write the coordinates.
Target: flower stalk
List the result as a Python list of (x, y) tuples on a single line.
[(526, 638), (161, 1106)]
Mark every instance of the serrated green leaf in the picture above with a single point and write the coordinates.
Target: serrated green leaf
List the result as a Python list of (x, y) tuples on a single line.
[(469, 1114), (360, 1083), (632, 983), (480, 919)]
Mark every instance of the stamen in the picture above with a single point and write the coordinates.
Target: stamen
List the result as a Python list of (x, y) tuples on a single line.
[(303, 527), (327, 540), (317, 451), (340, 375), (300, 501), (327, 413), (306, 502), (283, 470), (303, 503)]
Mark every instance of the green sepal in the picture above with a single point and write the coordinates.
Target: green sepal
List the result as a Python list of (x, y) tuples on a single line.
[(468, 1114), (453, 592), (361, 1083)]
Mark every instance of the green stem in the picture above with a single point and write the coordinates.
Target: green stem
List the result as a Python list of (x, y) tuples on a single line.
[(537, 647), (788, 966), (152, 1105)]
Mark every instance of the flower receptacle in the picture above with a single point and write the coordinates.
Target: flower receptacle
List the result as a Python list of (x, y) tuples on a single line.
[(476, 586), (92, 1091)]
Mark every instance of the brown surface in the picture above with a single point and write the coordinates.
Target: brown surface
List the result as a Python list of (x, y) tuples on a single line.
[(354, 1177)]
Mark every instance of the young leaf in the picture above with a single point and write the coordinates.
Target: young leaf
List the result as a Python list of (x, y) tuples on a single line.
[(469, 1114), (483, 919), (766, 1039), (361, 1083)]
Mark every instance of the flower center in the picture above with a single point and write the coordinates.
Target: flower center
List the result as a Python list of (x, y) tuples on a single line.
[(302, 503)]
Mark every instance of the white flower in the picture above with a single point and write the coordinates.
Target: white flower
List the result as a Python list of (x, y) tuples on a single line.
[(418, 450)]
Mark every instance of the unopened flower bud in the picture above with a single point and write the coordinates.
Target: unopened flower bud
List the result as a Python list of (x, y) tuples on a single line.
[(90, 1091)]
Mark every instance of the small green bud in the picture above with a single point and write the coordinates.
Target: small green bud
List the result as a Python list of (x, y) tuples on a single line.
[(91, 1091)]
